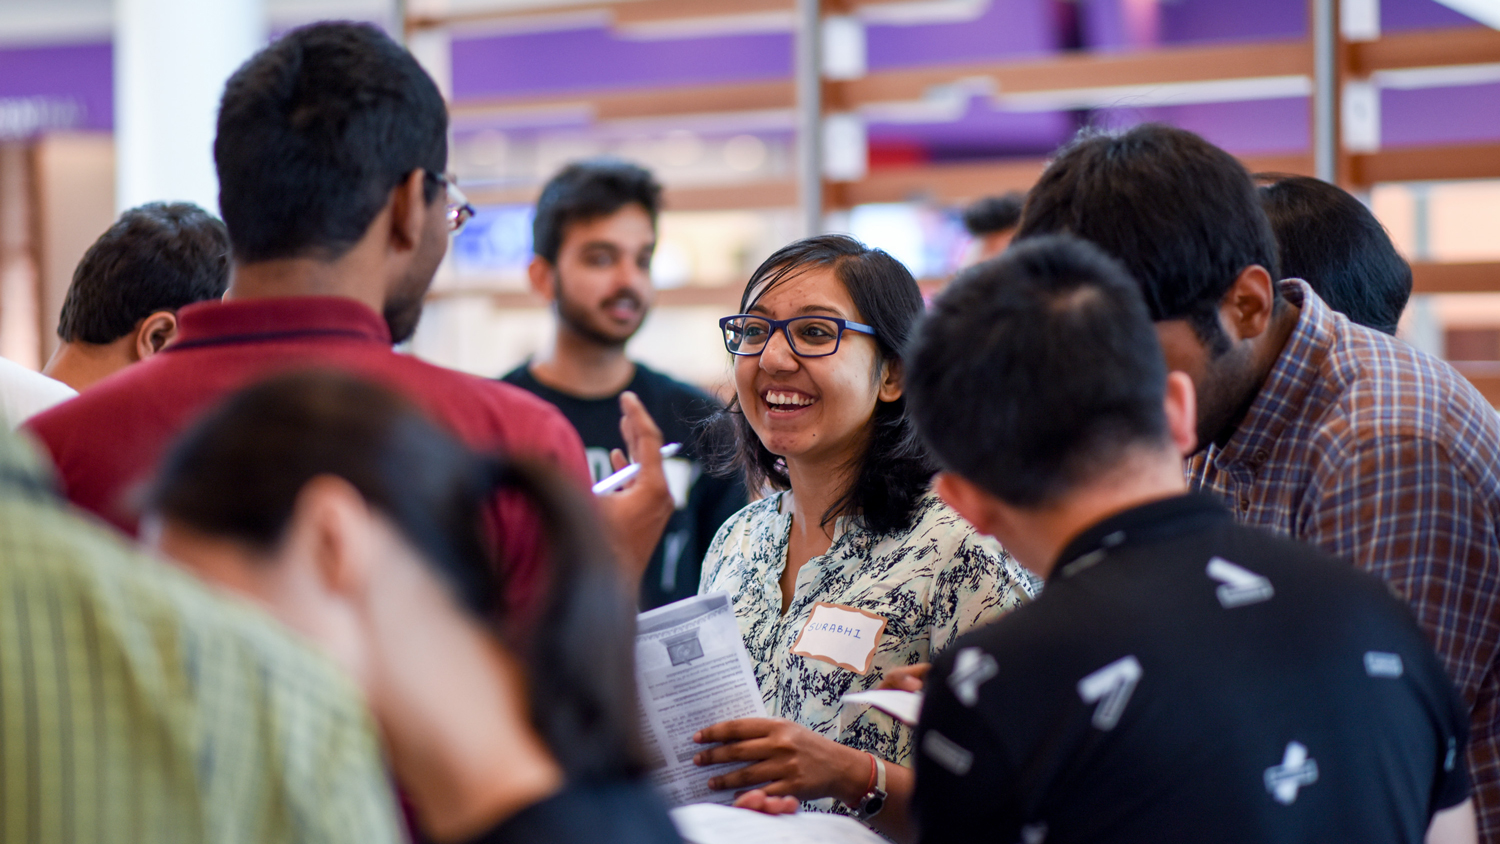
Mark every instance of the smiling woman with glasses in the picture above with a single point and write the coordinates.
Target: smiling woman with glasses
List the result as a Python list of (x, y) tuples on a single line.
[(851, 567)]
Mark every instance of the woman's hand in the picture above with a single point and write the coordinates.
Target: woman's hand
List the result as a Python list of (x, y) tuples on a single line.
[(786, 760), (757, 800), (907, 678)]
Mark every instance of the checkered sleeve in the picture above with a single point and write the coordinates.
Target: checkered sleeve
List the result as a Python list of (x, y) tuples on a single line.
[(1401, 508)]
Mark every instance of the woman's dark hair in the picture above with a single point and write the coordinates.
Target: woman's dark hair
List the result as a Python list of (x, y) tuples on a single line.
[(895, 469), (238, 472)]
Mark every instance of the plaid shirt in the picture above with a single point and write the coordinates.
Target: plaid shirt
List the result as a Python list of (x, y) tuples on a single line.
[(137, 706), (1374, 451)]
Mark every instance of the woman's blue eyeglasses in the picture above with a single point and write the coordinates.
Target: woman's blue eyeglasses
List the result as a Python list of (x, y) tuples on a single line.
[(809, 336)]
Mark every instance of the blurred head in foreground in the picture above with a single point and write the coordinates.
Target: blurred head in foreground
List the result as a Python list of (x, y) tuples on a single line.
[(353, 519), (1329, 239), (1036, 377)]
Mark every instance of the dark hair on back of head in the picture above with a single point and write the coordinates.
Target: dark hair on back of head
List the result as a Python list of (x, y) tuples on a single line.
[(314, 133), (160, 256), (238, 472), (994, 214), (1329, 239), (1037, 371), (895, 469), (1181, 214), (588, 190)]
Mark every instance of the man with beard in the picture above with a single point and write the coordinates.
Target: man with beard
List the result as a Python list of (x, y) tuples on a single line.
[(1308, 424), (330, 152), (593, 237)]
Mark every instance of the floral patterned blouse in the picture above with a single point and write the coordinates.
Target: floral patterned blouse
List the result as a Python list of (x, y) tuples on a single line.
[(930, 584)]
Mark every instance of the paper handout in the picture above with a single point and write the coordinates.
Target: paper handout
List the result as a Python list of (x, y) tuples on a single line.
[(904, 706), (710, 824), (693, 672)]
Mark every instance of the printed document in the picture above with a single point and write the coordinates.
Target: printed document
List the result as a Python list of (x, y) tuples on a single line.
[(693, 672), (709, 824)]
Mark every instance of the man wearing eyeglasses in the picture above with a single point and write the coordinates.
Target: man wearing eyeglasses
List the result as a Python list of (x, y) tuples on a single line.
[(330, 152), (593, 238)]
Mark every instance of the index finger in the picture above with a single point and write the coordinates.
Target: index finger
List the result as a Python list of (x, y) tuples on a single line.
[(739, 729), (643, 438)]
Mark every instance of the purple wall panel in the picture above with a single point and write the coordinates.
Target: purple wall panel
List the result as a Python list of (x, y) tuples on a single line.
[(1007, 28), (1397, 15), (1227, 20), (584, 59), (983, 131), (1252, 127), (1467, 114), (74, 79)]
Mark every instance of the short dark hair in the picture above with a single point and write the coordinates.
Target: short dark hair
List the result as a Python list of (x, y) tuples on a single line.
[(994, 214), (1329, 239), (238, 472), (1181, 214), (158, 257), (895, 470), (314, 133), (1038, 370), (588, 190)]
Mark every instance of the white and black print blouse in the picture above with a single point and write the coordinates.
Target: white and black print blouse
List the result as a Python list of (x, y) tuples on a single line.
[(931, 583)]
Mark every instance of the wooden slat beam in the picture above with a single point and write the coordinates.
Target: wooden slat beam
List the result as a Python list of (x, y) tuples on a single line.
[(1432, 277), (775, 194), (1480, 161), (1426, 48), (1073, 71), (636, 103), (637, 12)]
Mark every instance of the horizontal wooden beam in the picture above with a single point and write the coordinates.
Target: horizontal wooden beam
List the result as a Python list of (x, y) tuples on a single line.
[(1479, 161), (952, 183), (1433, 277), (1425, 48), (1076, 70), (638, 12), (638, 103), (772, 194)]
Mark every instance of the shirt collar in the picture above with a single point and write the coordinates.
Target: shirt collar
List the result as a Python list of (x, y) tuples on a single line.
[(1290, 385), (1149, 522), (250, 320)]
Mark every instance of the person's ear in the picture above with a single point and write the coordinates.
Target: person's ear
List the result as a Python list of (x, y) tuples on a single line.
[(1246, 307), (335, 529), (408, 211), (891, 382), (542, 274), (978, 507), (154, 333), (1181, 405)]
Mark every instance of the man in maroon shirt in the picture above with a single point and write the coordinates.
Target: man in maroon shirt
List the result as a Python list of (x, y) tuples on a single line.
[(330, 152)]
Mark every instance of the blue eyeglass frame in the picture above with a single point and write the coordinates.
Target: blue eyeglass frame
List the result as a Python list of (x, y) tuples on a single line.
[(784, 326)]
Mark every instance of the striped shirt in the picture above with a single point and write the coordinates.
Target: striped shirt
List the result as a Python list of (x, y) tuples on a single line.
[(1374, 451), (137, 706)]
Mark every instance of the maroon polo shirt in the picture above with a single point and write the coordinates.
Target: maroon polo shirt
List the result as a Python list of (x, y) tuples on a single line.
[(107, 442)]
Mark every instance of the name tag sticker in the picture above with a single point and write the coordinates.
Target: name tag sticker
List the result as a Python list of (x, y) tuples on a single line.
[(844, 636)]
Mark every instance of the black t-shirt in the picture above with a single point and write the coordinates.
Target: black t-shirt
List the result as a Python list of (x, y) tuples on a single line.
[(1184, 678), (708, 501), (625, 812)]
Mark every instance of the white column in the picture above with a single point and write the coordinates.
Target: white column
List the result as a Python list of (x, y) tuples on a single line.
[(172, 58)]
